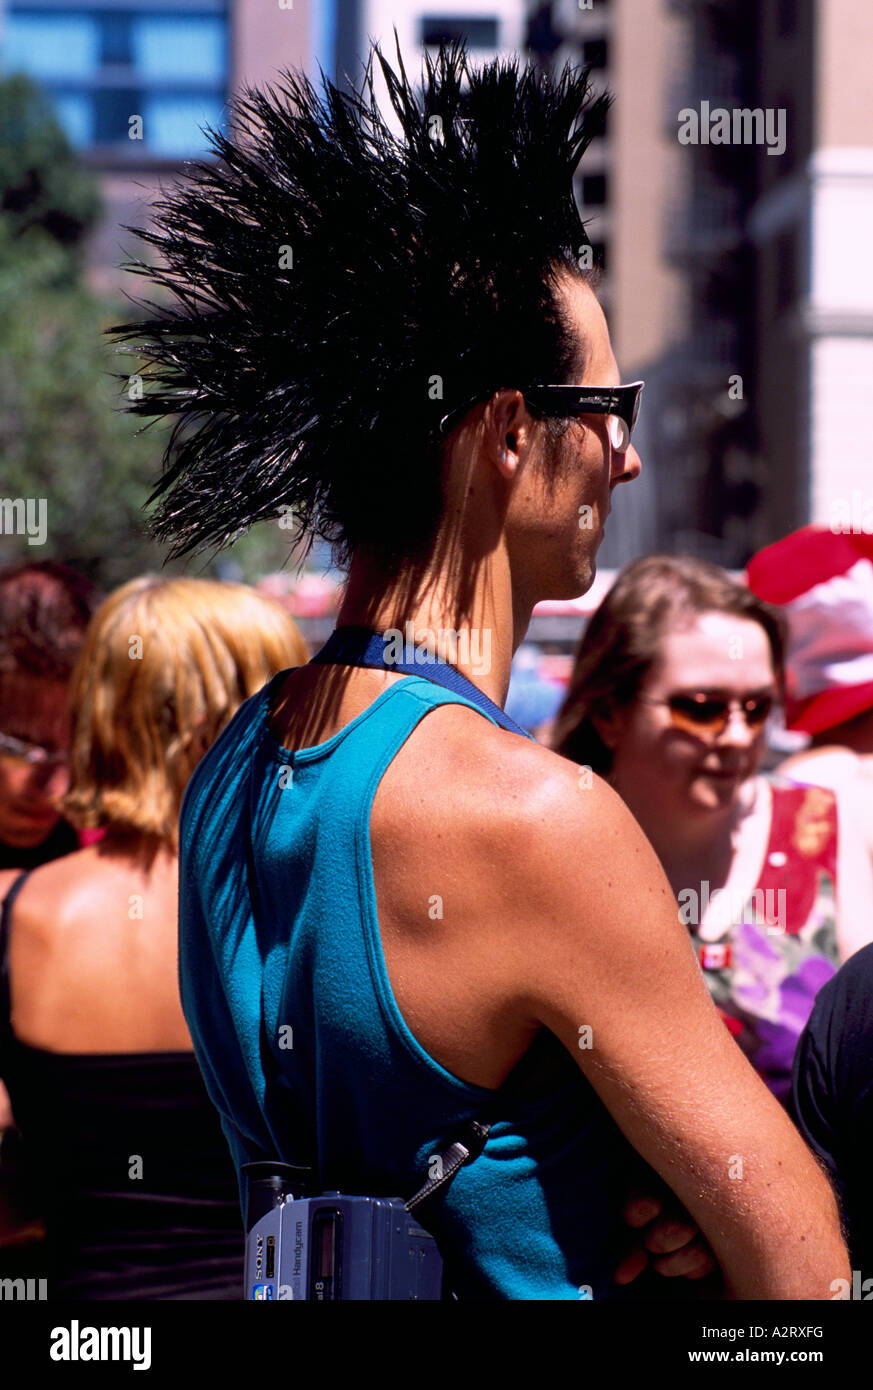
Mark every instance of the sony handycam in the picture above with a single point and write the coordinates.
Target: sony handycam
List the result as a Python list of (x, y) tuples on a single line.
[(332, 1246)]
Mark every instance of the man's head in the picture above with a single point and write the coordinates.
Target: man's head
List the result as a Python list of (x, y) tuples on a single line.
[(346, 279), (44, 612), (543, 483)]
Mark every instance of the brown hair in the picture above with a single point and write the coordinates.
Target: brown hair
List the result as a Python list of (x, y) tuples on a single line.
[(623, 638), (45, 608), (165, 665)]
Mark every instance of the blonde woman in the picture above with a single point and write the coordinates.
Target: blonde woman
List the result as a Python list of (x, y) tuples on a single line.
[(142, 1199)]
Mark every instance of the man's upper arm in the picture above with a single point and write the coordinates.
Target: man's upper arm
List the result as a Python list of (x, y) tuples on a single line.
[(611, 972)]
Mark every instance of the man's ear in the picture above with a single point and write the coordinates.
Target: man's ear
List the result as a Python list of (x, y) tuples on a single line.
[(505, 419)]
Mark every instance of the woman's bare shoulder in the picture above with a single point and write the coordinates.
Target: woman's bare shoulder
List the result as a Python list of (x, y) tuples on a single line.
[(85, 887)]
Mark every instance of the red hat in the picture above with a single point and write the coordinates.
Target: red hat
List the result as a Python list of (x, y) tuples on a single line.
[(825, 582)]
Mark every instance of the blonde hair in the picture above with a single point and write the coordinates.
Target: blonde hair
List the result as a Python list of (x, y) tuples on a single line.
[(165, 665)]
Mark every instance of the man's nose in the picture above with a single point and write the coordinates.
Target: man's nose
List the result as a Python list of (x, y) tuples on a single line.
[(626, 466)]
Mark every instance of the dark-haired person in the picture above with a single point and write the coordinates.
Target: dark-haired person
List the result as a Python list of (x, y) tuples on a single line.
[(44, 611), (832, 1104), (673, 682), (449, 925), (126, 1158)]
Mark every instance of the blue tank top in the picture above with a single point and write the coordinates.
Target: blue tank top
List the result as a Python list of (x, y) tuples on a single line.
[(304, 1050)]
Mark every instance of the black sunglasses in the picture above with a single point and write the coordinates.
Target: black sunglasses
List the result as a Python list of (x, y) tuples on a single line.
[(621, 403)]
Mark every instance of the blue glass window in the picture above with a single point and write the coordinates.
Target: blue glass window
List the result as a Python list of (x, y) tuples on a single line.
[(478, 30), (75, 111), (51, 45), (113, 109), (115, 38), (171, 124), (173, 47), (103, 66)]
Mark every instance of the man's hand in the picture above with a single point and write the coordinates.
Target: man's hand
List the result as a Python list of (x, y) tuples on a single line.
[(667, 1231)]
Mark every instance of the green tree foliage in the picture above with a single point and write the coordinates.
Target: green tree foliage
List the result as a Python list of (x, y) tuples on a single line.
[(42, 185), (64, 433)]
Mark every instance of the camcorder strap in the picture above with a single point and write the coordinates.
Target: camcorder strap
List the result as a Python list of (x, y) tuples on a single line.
[(468, 1145)]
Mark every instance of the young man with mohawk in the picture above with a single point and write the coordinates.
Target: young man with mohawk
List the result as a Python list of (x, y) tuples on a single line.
[(394, 334)]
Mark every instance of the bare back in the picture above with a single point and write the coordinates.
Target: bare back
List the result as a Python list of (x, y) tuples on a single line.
[(93, 956)]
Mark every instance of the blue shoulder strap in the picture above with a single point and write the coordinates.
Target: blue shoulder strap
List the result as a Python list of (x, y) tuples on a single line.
[(361, 646)]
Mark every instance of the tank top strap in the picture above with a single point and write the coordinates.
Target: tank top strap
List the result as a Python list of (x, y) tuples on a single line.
[(415, 692), (361, 751), (5, 928)]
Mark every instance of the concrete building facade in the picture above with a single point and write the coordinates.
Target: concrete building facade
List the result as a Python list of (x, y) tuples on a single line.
[(794, 260), (736, 261), (133, 82)]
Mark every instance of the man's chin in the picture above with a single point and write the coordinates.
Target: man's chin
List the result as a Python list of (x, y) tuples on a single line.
[(588, 576), (576, 586), (573, 581)]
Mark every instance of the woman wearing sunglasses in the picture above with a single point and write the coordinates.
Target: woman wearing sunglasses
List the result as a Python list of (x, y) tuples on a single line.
[(673, 684)]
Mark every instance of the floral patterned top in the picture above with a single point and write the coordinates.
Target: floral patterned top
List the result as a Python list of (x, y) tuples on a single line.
[(764, 971)]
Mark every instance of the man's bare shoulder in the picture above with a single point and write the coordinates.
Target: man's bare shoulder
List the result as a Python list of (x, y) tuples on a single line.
[(491, 784)]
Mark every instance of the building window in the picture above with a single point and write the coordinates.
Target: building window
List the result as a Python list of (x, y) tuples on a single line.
[(595, 53), (51, 46), (169, 120), (785, 278), (478, 31), (594, 190), (179, 47), (115, 39), (599, 125), (786, 18), (100, 67)]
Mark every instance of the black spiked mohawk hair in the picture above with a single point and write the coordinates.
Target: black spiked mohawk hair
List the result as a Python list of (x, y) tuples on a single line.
[(342, 280)]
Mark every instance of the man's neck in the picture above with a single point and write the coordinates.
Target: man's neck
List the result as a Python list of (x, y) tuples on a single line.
[(470, 613)]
